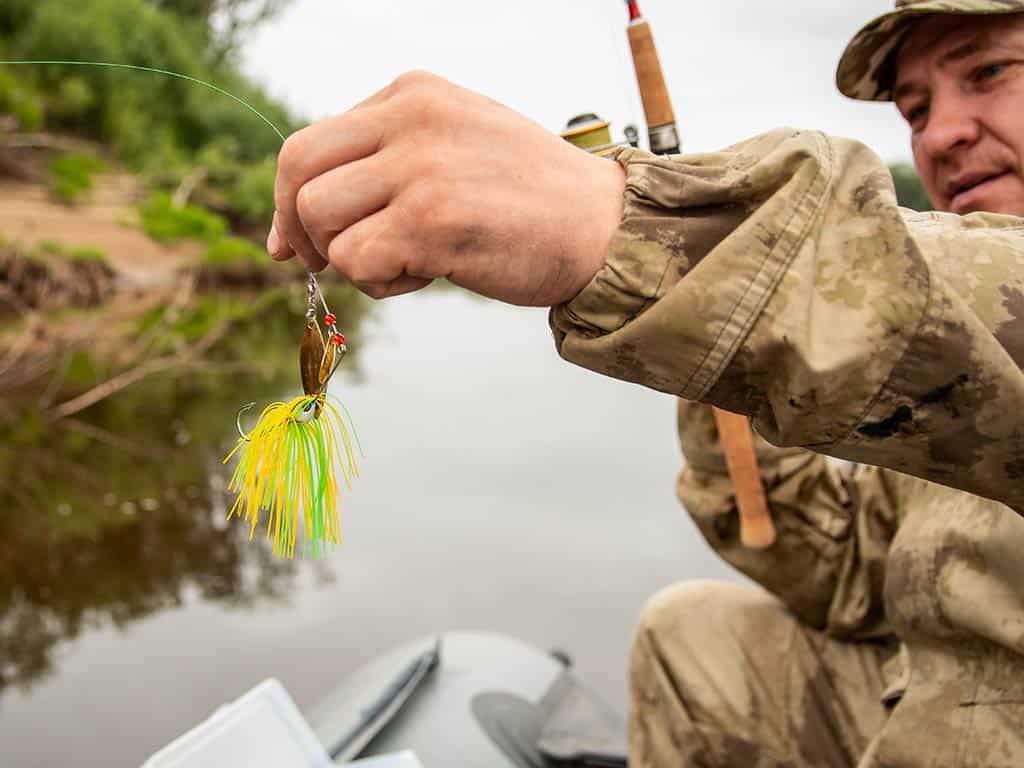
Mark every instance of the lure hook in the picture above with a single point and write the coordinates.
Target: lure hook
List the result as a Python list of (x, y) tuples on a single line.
[(238, 420)]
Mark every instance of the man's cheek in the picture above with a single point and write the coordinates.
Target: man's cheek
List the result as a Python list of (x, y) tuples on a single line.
[(1014, 204), (931, 188)]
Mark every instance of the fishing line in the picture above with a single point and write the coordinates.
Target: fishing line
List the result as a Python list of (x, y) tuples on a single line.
[(286, 463), (211, 86)]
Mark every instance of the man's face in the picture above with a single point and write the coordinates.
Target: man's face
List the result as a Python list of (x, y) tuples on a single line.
[(960, 86)]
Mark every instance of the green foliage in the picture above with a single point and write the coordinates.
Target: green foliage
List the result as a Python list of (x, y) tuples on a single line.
[(88, 254), (82, 369), (910, 191), (70, 175), (152, 122), (200, 319), (20, 101), (234, 252), (14, 14), (46, 252), (253, 192), (75, 97), (49, 248), (164, 222)]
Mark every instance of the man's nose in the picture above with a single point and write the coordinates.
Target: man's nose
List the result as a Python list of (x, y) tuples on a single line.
[(951, 126)]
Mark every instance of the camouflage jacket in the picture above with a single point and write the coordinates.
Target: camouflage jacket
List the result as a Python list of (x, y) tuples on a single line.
[(779, 278)]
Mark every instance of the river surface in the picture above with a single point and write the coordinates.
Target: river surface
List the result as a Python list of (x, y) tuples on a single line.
[(502, 490)]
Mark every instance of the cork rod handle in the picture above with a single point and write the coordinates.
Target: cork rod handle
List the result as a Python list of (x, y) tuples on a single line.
[(653, 92), (756, 528)]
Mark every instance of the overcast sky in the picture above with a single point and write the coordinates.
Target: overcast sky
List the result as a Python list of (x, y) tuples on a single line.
[(734, 67)]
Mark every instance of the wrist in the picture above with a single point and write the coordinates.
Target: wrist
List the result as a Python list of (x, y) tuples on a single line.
[(605, 195)]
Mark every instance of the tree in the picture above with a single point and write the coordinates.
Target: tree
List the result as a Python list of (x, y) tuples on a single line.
[(227, 21), (910, 191)]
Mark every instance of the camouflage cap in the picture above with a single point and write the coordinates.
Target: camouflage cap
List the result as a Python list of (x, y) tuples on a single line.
[(868, 66)]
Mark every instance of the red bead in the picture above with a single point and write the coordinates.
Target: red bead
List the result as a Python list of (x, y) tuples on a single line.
[(338, 339), (330, 320)]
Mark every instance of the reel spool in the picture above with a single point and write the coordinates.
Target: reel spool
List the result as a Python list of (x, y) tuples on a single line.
[(594, 135)]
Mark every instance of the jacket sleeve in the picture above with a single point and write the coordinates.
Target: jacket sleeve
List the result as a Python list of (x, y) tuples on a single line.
[(780, 279), (834, 523)]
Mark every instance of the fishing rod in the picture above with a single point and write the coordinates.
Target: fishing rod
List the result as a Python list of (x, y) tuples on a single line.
[(756, 528)]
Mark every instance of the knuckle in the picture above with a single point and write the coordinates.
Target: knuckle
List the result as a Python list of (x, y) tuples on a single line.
[(374, 290), (292, 152), (423, 201), (339, 252), (307, 203), (420, 100), (415, 79)]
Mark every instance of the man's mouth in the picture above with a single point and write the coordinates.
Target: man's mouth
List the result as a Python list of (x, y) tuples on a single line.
[(963, 190)]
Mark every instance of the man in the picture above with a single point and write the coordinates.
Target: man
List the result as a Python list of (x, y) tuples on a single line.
[(779, 279)]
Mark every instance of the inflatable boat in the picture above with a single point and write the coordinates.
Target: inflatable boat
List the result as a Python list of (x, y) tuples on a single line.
[(457, 699)]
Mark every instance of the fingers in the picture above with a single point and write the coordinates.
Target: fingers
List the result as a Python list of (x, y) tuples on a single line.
[(397, 287), (339, 198), (277, 246), (374, 258), (306, 155), (332, 144)]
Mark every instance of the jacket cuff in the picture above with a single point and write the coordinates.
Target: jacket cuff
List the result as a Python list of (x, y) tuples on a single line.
[(639, 320)]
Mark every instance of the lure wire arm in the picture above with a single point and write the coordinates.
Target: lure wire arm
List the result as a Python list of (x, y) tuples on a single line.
[(313, 294), (337, 364), (314, 289), (238, 420)]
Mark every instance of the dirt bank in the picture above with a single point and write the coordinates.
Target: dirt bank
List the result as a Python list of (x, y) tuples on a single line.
[(106, 222)]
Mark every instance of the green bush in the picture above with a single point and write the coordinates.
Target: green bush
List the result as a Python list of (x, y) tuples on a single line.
[(14, 14), (88, 254), (74, 98), (20, 100), (70, 175), (164, 222), (82, 369), (47, 251), (49, 248), (253, 193), (159, 125), (234, 252), (129, 107), (910, 191)]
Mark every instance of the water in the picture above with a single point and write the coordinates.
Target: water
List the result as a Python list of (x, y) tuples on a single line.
[(502, 490)]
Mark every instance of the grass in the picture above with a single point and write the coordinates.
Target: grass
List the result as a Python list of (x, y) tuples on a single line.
[(81, 370), (49, 248), (231, 251), (70, 176), (48, 251), (166, 223), (202, 315), (88, 254)]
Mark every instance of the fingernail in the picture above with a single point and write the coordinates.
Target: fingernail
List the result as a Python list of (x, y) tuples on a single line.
[(273, 242)]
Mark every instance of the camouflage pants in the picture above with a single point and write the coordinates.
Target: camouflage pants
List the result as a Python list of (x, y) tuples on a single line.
[(722, 675)]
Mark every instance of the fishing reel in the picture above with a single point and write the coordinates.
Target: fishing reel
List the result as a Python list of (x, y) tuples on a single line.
[(589, 132)]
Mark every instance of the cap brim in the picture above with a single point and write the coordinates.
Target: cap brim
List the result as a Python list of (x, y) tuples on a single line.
[(867, 68)]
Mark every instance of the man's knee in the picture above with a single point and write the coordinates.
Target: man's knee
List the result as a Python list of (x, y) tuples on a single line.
[(688, 672), (693, 613)]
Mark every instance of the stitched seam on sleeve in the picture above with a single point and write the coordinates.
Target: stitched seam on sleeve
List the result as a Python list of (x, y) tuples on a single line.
[(745, 325)]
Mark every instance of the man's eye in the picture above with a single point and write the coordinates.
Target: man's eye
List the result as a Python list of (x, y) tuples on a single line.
[(988, 72), (916, 114)]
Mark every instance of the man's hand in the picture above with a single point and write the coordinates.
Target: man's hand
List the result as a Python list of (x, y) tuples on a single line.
[(427, 180)]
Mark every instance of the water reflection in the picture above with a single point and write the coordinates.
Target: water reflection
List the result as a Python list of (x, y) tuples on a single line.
[(118, 511)]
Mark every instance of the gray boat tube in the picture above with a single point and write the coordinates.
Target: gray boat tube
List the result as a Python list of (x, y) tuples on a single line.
[(471, 699)]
